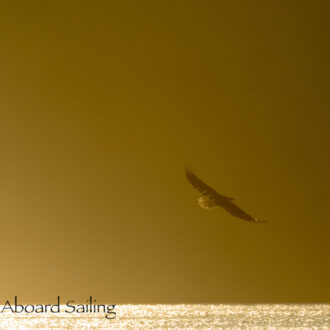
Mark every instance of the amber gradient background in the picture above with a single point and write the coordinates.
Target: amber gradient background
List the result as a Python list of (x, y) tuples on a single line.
[(103, 102)]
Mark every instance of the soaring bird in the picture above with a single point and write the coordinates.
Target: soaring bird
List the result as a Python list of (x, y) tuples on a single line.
[(211, 198)]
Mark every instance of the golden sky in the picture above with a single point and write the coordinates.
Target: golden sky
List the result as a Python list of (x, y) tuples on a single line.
[(102, 104)]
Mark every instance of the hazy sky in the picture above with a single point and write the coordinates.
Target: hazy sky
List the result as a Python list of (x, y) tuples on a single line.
[(101, 105)]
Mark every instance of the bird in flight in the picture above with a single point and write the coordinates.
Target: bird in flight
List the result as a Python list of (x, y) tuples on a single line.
[(210, 198)]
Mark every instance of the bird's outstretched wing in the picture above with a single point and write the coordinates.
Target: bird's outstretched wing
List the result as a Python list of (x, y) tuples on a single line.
[(217, 199), (237, 212), (202, 187)]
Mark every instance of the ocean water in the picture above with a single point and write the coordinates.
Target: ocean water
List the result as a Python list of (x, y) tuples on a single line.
[(201, 316)]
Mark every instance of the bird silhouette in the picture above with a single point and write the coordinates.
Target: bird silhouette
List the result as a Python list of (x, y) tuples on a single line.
[(210, 198)]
